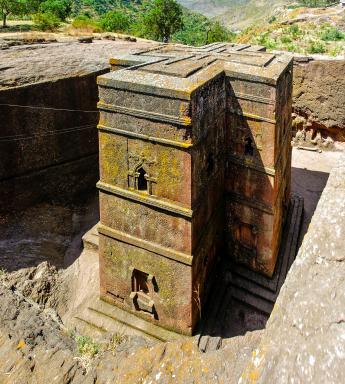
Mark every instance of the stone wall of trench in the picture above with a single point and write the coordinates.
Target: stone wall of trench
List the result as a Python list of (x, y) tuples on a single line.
[(319, 97), (304, 340), (48, 141)]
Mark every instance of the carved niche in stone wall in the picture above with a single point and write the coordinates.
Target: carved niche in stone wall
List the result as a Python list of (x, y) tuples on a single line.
[(140, 176)]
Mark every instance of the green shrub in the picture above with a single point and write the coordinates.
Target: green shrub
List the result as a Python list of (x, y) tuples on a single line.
[(335, 51), (46, 21), (294, 30), (85, 23), (285, 39), (115, 341), (265, 40), (332, 34), (115, 21), (2, 272), (316, 47), (86, 346), (292, 47), (316, 3), (161, 19), (194, 30)]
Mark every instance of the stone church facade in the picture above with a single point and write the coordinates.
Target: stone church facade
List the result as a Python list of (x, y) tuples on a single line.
[(195, 162)]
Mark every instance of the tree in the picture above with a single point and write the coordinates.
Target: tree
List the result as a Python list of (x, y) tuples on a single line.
[(194, 29), (12, 7), (115, 21), (217, 32), (162, 19), (60, 8)]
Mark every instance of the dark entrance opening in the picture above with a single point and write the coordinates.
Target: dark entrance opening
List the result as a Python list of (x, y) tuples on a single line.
[(142, 182)]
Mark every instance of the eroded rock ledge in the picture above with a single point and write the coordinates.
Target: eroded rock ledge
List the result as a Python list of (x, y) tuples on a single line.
[(318, 97), (34, 348)]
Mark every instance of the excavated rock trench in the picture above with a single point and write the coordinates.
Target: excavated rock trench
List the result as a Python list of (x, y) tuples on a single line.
[(48, 277), (44, 279)]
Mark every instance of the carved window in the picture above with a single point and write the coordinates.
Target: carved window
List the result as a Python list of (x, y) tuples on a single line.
[(141, 180), (248, 147)]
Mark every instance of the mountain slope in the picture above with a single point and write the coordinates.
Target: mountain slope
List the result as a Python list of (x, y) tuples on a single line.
[(237, 14), (212, 8)]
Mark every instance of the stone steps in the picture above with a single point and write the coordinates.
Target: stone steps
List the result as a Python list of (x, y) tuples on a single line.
[(101, 318), (91, 239)]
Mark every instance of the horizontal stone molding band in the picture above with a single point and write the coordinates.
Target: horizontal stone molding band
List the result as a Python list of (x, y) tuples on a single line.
[(184, 121), (144, 244), (256, 167), (249, 77), (252, 116), (250, 202), (146, 199), (171, 143), (259, 99), (134, 61)]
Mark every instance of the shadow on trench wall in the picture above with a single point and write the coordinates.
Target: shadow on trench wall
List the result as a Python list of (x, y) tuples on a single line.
[(48, 169), (48, 142), (308, 184)]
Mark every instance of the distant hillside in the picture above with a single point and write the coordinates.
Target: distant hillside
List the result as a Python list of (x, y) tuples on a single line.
[(237, 14), (212, 8), (302, 30)]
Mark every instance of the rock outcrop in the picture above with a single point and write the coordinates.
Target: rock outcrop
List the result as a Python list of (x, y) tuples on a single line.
[(304, 339), (319, 97), (35, 348), (29, 63)]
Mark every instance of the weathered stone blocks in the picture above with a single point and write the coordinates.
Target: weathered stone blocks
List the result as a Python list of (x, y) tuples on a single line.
[(194, 155)]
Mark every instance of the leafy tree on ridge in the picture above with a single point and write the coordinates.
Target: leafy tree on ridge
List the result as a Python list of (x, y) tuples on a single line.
[(162, 19), (12, 7)]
